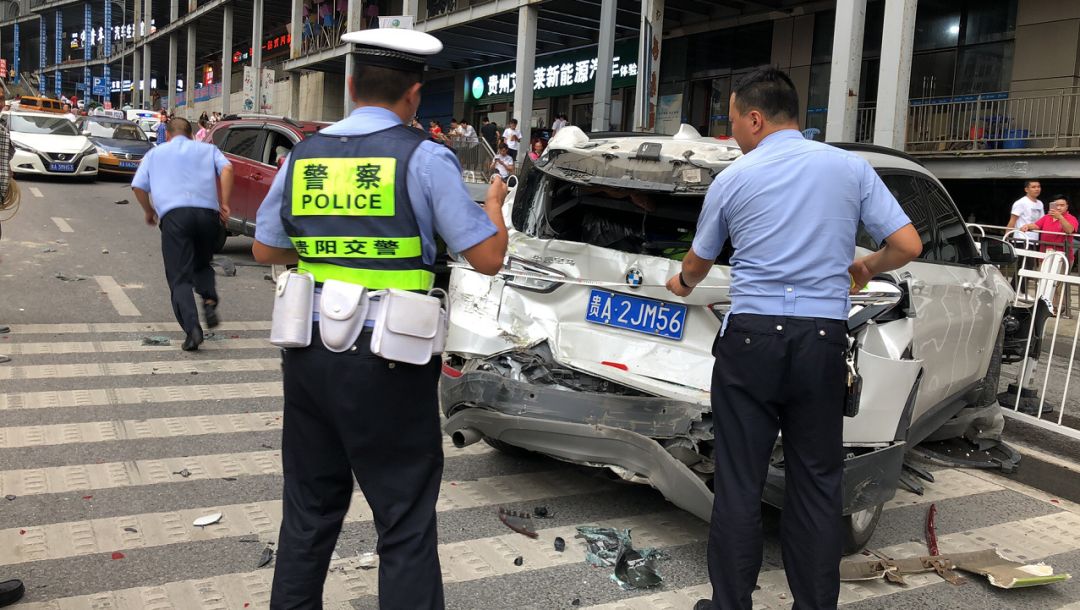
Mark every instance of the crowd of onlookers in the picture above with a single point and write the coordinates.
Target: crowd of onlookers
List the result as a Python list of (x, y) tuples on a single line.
[(505, 142)]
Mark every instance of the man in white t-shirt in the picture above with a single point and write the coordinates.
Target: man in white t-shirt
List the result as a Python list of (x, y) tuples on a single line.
[(1027, 210), (512, 137), (468, 131), (558, 124), (503, 162)]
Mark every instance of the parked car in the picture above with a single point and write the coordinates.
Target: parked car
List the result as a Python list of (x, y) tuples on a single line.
[(120, 143), (256, 145), (49, 144), (147, 120), (30, 103), (585, 357)]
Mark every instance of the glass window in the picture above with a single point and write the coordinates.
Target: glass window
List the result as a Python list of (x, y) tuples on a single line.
[(244, 143), (937, 24), (277, 148), (906, 191), (932, 74), (117, 131), (818, 94), (37, 124), (824, 24), (752, 45), (875, 21), (985, 68), (989, 21), (954, 243), (219, 136)]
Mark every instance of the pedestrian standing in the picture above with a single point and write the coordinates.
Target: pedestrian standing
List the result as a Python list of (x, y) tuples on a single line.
[(163, 123), (512, 136), (490, 132), (353, 413), (177, 186), (1027, 210), (780, 352)]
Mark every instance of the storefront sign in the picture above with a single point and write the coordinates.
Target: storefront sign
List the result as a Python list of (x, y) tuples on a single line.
[(556, 75), (272, 45)]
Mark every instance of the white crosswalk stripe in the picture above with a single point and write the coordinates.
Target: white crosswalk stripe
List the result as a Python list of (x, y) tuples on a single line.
[(30, 543)]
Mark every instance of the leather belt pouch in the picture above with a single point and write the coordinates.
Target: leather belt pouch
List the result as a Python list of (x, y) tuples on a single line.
[(290, 325), (342, 310), (407, 327)]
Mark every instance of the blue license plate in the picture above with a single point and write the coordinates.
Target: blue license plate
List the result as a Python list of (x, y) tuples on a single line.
[(61, 167), (129, 165), (638, 314)]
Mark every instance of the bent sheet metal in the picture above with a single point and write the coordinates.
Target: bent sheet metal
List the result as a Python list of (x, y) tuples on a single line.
[(1001, 572)]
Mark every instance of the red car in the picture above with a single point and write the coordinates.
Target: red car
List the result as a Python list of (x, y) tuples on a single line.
[(256, 145)]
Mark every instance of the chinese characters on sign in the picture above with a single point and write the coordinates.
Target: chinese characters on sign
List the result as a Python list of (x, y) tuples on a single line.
[(563, 74)]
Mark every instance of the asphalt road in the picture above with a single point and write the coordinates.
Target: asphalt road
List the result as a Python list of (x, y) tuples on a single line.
[(97, 431)]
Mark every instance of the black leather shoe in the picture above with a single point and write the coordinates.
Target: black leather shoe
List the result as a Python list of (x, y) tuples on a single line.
[(703, 604), (191, 343), (11, 591), (210, 311)]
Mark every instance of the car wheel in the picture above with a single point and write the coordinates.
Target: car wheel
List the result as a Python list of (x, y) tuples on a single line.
[(858, 527), (506, 448), (988, 389)]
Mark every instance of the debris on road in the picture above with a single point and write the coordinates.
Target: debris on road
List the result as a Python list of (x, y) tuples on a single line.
[(1001, 572), (104, 250), (156, 340), (131, 529), (542, 512), (48, 250), (608, 547), (367, 561), (931, 531), (184, 473), (10, 497), (519, 561), (519, 522), (227, 266), (266, 557), (60, 275), (121, 202), (560, 544), (118, 555), (208, 520)]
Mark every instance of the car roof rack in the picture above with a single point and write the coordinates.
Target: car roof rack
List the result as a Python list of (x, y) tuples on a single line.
[(874, 148), (254, 115)]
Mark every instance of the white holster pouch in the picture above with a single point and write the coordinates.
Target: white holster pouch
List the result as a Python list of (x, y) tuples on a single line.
[(409, 327), (343, 308), (290, 325)]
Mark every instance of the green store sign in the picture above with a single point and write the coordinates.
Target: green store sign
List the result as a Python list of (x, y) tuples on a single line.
[(555, 75)]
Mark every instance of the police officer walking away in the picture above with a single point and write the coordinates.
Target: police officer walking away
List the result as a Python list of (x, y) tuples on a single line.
[(791, 208), (181, 178), (361, 202)]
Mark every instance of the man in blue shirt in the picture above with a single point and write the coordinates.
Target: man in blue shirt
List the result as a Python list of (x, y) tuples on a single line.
[(177, 186), (361, 202), (163, 123), (791, 208)]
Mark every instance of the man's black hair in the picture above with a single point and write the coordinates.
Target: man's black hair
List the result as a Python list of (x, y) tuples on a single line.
[(1027, 183), (1062, 197), (179, 126), (378, 85), (769, 91)]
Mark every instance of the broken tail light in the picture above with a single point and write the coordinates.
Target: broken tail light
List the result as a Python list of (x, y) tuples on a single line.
[(450, 371), (530, 281)]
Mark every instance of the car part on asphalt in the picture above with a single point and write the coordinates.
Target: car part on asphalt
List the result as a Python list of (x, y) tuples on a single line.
[(367, 561), (519, 560), (560, 544), (266, 557), (542, 512), (931, 530), (11, 591), (156, 341), (60, 275), (206, 520), (1001, 572), (519, 522), (184, 473), (962, 453), (611, 548)]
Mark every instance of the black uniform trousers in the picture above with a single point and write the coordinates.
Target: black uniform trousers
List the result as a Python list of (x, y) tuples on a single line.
[(356, 414), (778, 374), (187, 246)]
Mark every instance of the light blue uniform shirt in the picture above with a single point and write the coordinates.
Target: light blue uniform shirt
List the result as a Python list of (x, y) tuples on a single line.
[(791, 208), (177, 175), (438, 196)]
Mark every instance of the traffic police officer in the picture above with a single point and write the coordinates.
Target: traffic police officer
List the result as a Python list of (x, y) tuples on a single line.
[(791, 208), (369, 177)]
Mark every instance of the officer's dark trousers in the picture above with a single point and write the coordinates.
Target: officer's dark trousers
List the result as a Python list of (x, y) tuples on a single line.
[(187, 245), (778, 374), (355, 414)]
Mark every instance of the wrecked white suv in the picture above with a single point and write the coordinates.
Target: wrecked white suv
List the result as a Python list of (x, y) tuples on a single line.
[(577, 351)]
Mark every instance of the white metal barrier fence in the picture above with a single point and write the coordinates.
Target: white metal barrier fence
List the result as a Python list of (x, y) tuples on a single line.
[(1037, 386)]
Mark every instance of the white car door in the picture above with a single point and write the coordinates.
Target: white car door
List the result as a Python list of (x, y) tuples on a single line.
[(973, 291)]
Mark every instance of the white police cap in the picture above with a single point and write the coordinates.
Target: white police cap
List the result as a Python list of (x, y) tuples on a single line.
[(395, 48)]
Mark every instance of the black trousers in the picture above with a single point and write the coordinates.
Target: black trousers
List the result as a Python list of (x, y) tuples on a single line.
[(187, 246), (778, 374), (357, 415)]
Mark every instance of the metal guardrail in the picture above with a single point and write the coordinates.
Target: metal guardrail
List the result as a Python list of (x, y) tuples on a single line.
[(475, 155), (1043, 120)]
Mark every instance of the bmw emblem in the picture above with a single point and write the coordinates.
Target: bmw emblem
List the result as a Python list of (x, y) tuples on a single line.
[(634, 277)]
